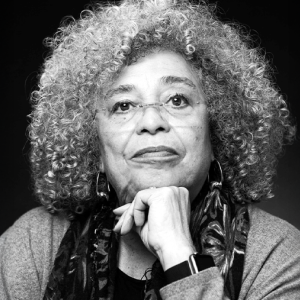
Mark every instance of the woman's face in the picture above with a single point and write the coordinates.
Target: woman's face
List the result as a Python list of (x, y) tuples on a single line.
[(144, 144)]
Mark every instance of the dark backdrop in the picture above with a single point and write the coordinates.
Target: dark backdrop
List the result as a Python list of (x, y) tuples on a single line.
[(31, 21)]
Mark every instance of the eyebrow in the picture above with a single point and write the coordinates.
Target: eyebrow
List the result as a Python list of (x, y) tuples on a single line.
[(169, 80), (166, 80), (121, 89)]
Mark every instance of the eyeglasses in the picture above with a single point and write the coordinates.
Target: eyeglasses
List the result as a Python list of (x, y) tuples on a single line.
[(124, 111)]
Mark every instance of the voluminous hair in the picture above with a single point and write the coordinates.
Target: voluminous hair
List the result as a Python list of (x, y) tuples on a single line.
[(248, 117)]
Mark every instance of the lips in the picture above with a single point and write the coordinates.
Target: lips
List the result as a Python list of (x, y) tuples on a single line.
[(159, 151)]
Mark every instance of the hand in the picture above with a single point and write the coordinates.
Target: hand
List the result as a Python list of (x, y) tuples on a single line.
[(161, 217)]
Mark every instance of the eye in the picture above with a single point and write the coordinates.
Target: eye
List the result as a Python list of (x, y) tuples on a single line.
[(123, 106), (178, 100)]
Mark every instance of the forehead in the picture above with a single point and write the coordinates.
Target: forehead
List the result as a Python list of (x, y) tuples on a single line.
[(156, 66)]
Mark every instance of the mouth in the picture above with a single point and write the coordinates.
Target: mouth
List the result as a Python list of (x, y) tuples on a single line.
[(154, 154)]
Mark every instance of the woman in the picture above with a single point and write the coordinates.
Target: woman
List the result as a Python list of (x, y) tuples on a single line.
[(154, 129)]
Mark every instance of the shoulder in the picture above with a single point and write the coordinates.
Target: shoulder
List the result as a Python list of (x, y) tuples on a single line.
[(36, 225), (34, 216), (27, 252), (37, 229), (272, 261), (270, 231)]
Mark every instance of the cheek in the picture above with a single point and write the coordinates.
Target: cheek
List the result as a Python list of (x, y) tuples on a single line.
[(200, 148), (107, 135), (106, 144), (109, 149), (112, 162), (197, 132), (112, 145), (199, 144)]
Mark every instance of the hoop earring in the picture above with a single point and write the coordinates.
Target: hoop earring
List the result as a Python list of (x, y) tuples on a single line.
[(102, 186), (79, 209)]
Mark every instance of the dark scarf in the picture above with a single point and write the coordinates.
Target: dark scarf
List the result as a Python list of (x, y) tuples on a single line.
[(86, 262)]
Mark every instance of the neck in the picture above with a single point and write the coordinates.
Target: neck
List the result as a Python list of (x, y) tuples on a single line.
[(134, 257)]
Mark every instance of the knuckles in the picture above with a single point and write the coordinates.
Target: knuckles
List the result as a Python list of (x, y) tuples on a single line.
[(171, 193)]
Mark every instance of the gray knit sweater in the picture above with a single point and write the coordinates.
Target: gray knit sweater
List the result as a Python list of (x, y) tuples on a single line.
[(272, 265)]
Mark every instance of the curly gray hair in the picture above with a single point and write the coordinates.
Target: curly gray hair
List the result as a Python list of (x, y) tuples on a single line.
[(249, 119)]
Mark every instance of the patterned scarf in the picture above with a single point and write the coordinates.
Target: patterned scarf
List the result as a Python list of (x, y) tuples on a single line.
[(86, 262)]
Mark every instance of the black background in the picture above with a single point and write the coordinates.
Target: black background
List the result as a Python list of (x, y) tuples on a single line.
[(31, 21)]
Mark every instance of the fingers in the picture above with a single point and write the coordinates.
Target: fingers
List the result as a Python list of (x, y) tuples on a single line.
[(140, 209), (139, 217), (120, 210), (131, 213), (135, 213), (126, 220), (118, 226)]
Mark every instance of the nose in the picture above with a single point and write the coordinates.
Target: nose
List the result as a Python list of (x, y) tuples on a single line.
[(151, 121)]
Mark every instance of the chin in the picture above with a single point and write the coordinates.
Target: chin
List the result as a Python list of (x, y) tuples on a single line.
[(158, 179), (144, 179), (161, 180)]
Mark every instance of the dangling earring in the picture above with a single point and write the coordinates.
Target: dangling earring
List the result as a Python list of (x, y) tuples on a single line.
[(102, 186), (211, 186), (215, 176), (212, 210), (215, 198), (211, 198)]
